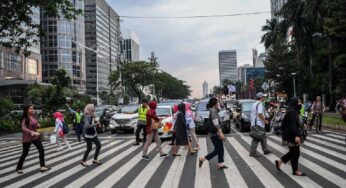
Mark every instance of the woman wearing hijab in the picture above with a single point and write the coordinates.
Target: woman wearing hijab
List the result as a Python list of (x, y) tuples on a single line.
[(30, 136), (192, 126), (181, 129), (291, 134), (58, 131), (217, 138), (152, 132), (90, 135), (175, 111)]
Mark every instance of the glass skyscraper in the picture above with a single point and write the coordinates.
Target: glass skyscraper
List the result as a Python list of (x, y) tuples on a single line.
[(228, 65), (102, 34), (59, 47)]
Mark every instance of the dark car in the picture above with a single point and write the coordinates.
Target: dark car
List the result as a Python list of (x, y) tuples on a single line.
[(103, 115), (242, 118), (202, 116)]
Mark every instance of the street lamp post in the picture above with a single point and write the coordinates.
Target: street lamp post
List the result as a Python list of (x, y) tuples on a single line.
[(294, 83)]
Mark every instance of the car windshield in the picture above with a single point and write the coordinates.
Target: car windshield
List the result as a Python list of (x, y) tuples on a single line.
[(163, 112), (129, 109), (202, 106), (169, 103), (246, 106)]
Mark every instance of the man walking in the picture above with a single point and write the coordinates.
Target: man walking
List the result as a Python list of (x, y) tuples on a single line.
[(258, 119), (142, 121), (77, 122)]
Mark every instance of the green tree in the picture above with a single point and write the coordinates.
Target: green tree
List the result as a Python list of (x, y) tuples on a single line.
[(6, 106), (271, 32), (17, 25)]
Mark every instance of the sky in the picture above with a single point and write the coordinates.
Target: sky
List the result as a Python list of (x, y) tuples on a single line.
[(188, 48)]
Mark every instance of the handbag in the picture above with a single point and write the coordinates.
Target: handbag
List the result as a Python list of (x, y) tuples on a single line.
[(155, 124), (257, 132), (52, 139), (210, 125)]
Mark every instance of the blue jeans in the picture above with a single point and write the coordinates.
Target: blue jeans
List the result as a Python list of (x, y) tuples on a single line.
[(79, 130), (218, 149)]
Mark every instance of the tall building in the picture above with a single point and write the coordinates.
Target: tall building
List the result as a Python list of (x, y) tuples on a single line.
[(18, 67), (102, 33), (276, 6), (242, 73), (261, 59), (59, 47), (228, 65), (254, 56), (130, 46), (205, 89)]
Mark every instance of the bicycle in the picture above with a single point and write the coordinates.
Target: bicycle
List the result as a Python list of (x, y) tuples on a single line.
[(317, 121)]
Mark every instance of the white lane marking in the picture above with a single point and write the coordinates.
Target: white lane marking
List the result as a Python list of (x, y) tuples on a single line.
[(110, 180), (202, 178), (39, 174), (79, 182), (262, 173), (174, 173), (337, 136), (330, 139), (313, 166), (327, 144), (144, 176), (303, 181)]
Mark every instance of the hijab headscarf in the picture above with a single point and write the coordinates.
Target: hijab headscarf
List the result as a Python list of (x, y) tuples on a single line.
[(89, 109), (59, 116), (152, 105), (181, 108), (294, 104)]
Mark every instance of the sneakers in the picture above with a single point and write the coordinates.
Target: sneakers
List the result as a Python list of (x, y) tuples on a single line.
[(147, 158), (255, 155), (267, 152), (43, 169), (163, 155)]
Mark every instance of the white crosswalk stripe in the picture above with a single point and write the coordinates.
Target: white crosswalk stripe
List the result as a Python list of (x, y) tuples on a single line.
[(117, 175), (128, 159), (81, 180), (266, 178), (330, 139)]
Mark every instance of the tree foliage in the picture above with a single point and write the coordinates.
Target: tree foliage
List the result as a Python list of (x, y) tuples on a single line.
[(17, 28)]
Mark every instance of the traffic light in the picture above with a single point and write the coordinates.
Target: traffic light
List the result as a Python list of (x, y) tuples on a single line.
[(251, 83)]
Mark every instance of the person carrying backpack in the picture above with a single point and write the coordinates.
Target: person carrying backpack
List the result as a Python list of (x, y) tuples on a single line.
[(216, 134), (60, 131)]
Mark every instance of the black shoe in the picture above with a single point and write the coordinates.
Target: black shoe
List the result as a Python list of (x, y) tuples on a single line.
[(163, 155), (267, 152), (176, 155), (200, 163), (147, 158), (171, 144), (136, 143), (222, 167), (19, 171), (255, 155)]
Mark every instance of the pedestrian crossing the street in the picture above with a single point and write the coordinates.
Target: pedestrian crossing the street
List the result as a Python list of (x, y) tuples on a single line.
[(323, 159)]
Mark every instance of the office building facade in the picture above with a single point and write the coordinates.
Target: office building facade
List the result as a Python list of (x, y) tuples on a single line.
[(205, 89), (276, 6), (228, 65), (60, 49), (102, 34), (18, 67), (130, 46)]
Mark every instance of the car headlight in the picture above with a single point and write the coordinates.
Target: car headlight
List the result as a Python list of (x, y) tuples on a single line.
[(244, 116), (198, 119)]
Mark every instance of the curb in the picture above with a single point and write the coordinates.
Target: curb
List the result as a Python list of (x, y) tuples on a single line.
[(336, 127)]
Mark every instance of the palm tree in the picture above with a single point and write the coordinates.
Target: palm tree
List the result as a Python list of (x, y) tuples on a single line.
[(270, 30)]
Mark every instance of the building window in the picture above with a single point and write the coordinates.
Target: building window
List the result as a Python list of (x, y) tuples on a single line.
[(31, 66), (13, 62)]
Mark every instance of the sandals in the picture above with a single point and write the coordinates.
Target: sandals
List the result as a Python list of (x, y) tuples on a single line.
[(84, 164), (43, 169), (277, 165), (192, 153), (176, 155), (19, 171), (200, 162), (302, 174), (96, 162)]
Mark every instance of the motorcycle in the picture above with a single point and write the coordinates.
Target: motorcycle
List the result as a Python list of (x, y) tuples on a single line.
[(304, 125), (277, 120)]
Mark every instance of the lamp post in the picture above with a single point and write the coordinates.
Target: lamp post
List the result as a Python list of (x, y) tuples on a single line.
[(294, 83)]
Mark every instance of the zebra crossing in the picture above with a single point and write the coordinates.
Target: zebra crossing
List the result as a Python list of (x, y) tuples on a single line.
[(323, 159)]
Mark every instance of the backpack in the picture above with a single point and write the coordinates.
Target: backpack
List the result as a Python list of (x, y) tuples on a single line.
[(65, 128)]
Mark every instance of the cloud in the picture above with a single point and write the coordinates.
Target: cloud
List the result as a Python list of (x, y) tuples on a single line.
[(188, 48)]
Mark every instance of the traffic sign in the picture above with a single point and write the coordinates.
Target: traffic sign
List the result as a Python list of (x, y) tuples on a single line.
[(265, 86)]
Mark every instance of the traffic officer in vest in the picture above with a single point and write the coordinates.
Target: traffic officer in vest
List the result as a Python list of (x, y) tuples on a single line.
[(77, 122), (142, 121)]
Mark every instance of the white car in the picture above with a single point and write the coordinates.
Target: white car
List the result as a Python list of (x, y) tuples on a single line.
[(166, 114), (125, 120)]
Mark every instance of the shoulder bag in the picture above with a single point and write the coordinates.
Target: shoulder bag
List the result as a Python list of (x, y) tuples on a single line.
[(257, 132)]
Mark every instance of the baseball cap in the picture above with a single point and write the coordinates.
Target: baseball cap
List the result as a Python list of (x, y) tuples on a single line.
[(260, 95)]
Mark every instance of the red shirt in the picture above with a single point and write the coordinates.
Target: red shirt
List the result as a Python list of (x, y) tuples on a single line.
[(32, 127), (151, 114)]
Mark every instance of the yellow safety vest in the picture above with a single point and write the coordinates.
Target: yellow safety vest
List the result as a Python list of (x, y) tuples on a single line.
[(142, 113)]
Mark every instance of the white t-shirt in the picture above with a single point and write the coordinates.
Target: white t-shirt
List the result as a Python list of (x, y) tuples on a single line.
[(260, 110)]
